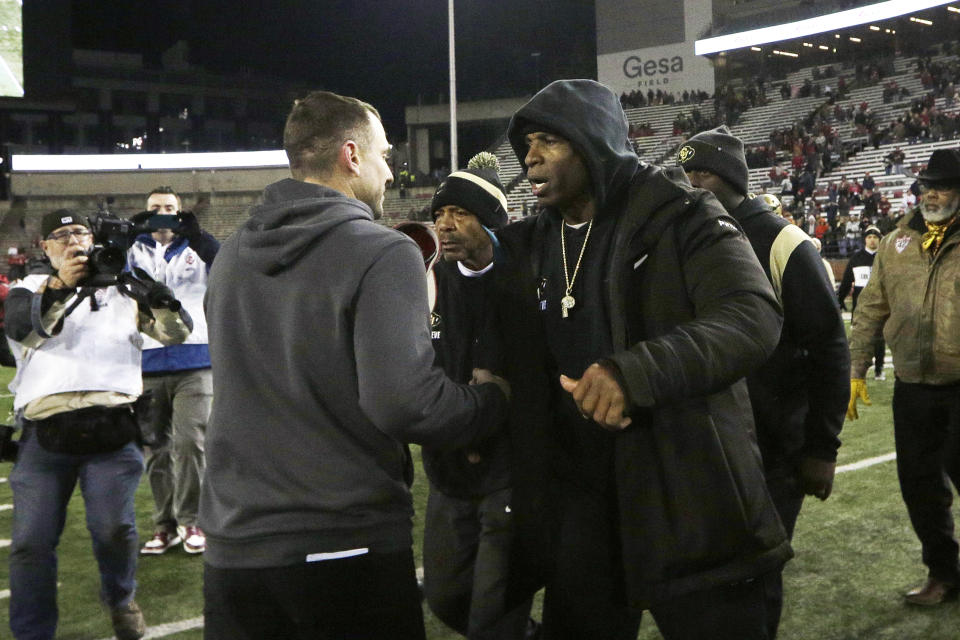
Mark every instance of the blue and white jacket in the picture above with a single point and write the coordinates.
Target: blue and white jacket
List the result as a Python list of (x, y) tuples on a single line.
[(180, 266)]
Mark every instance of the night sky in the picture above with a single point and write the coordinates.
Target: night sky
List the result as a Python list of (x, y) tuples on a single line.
[(388, 52)]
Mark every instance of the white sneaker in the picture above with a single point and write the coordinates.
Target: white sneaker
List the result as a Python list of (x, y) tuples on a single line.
[(194, 541), (160, 543)]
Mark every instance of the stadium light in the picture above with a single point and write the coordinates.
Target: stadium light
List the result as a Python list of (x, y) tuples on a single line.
[(149, 161), (789, 54), (874, 27), (755, 49), (824, 47), (954, 9), (857, 40), (921, 21), (831, 22)]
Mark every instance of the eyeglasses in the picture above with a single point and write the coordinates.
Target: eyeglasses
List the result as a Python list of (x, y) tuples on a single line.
[(63, 237)]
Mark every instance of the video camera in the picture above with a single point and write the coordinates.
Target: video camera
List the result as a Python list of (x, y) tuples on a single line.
[(112, 237)]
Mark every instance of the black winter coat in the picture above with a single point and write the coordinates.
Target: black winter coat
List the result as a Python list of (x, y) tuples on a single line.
[(691, 313)]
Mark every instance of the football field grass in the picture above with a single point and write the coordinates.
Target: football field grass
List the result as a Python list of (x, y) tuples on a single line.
[(855, 556)]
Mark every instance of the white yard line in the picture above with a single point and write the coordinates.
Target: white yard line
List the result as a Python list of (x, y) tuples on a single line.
[(4, 594), (6, 507), (4, 543), (869, 462), (170, 628)]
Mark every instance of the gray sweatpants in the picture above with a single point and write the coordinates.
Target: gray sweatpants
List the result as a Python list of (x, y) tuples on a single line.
[(179, 408)]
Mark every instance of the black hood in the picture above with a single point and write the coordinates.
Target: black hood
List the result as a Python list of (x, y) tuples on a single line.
[(590, 117)]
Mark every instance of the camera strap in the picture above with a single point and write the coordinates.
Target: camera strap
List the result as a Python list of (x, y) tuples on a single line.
[(84, 292)]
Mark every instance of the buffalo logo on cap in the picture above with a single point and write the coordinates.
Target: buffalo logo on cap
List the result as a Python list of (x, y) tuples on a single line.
[(686, 154)]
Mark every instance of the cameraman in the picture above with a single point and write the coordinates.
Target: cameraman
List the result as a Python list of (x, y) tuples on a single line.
[(177, 378), (78, 354)]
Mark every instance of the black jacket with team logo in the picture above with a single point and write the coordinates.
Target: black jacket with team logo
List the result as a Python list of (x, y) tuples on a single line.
[(799, 395), (458, 329)]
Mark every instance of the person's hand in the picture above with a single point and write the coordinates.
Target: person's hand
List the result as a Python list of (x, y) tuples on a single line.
[(481, 376), (816, 477), (858, 389), (147, 291), (189, 225), (140, 219), (599, 397), (73, 269)]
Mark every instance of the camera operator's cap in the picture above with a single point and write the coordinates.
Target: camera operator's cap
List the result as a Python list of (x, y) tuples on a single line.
[(872, 231), (60, 218), (719, 152), (943, 168)]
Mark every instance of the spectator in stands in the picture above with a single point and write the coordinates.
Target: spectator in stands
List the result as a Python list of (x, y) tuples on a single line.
[(855, 278), (822, 228), (16, 263), (851, 235), (177, 382), (871, 205), (911, 299), (468, 531), (799, 395), (897, 158), (868, 182), (78, 355), (682, 274), (305, 500), (776, 174), (786, 187)]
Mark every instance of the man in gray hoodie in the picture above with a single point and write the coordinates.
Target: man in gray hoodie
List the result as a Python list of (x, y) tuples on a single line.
[(323, 371)]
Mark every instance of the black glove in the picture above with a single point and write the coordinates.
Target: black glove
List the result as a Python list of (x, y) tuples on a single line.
[(141, 218), (189, 226)]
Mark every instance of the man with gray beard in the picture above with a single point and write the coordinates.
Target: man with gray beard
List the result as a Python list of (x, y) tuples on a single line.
[(912, 297)]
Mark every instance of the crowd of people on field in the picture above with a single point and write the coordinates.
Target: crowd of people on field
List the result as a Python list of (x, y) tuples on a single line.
[(623, 399)]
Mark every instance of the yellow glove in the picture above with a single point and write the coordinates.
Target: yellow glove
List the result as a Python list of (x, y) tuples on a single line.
[(858, 389)]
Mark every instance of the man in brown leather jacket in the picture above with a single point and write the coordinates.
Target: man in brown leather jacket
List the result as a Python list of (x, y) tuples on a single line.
[(912, 297)]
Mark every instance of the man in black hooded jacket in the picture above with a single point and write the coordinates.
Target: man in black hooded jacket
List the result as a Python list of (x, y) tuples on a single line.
[(632, 308), (800, 394)]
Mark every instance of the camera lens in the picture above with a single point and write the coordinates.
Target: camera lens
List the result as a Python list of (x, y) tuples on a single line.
[(107, 260)]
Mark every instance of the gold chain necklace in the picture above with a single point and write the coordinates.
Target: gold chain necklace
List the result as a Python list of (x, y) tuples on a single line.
[(568, 301)]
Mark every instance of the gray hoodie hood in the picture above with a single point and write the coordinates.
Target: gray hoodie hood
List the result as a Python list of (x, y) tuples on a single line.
[(293, 216)]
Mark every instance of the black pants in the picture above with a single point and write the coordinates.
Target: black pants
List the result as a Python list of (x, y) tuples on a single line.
[(466, 552), (783, 483), (585, 596), (367, 597), (926, 422)]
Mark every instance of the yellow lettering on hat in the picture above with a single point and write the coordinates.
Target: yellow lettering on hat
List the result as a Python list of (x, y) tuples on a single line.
[(685, 154)]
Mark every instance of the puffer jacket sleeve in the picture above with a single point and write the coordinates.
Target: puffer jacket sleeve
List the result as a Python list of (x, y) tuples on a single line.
[(736, 317)]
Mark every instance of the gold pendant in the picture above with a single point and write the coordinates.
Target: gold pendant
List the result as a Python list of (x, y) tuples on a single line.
[(567, 302)]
